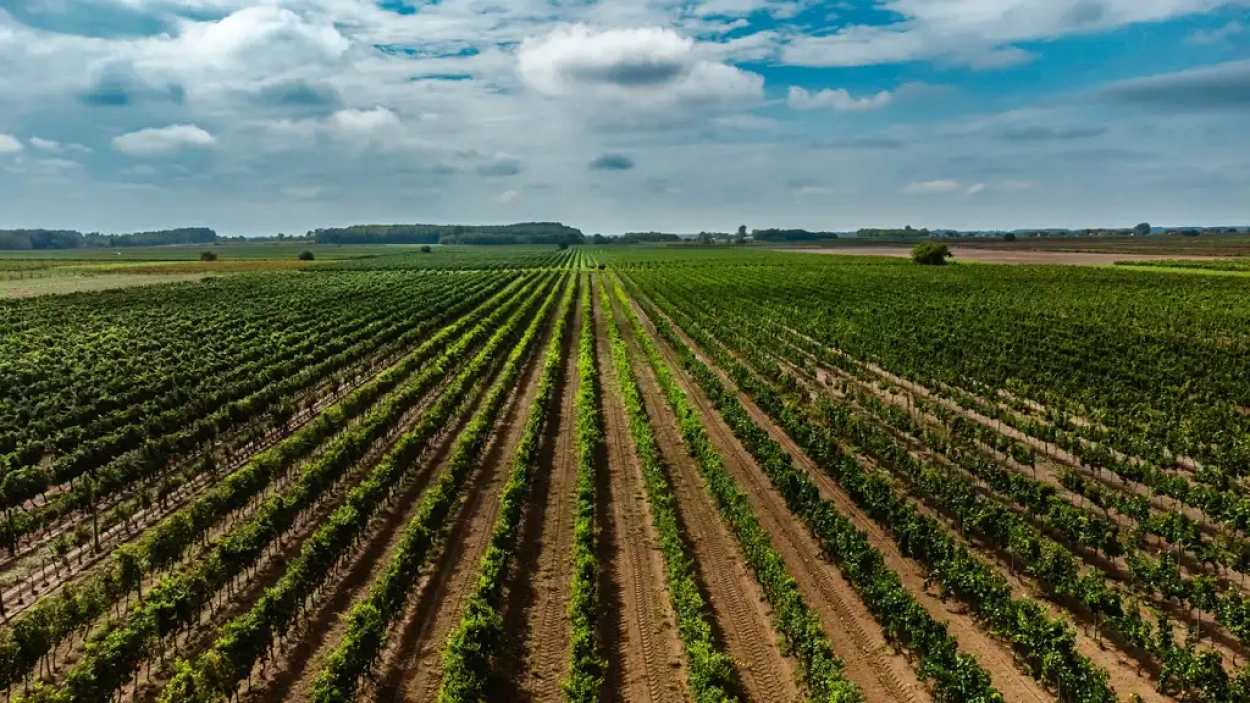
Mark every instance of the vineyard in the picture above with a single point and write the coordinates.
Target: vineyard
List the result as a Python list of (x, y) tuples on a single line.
[(629, 474)]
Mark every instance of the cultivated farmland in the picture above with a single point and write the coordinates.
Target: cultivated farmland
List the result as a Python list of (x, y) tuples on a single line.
[(629, 474)]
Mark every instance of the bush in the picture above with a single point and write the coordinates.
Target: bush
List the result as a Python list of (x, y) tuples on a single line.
[(1009, 237), (208, 256), (931, 253), (563, 245), (426, 249), (306, 255)]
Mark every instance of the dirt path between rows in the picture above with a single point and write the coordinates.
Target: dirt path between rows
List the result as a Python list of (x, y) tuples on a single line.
[(645, 658), (411, 667), (869, 660), (737, 601), (993, 655), (535, 655), (290, 676)]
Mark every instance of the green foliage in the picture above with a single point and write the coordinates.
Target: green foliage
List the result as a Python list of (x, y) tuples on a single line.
[(522, 233), (930, 253), (54, 618), (306, 255), (711, 671), (474, 641), (794, 621), (586, 661), (368, 622), (246, 639)]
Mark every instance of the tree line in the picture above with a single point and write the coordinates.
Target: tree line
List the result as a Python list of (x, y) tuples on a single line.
[(520, 233), (44, 239)]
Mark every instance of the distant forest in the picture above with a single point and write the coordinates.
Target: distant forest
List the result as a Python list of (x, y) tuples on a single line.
[(39, 239), (521, 233)]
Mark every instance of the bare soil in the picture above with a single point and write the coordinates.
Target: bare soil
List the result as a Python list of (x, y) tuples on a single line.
[(993, 655), (411, 667), (870, 661), (639, 628), (535, 655), (737, 601)]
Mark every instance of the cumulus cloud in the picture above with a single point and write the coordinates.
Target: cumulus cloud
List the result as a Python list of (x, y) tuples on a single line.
[(9, 144), (639, 66), (612, 162), (164, 140), (975, 188), (298, 94), (836, 99), (119, 84), (931, 187), (378, 120), (261, 37), (1223, 86), (508, 196), (46, 144)]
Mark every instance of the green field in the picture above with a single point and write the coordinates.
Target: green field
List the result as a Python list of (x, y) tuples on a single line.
[(481, 473)]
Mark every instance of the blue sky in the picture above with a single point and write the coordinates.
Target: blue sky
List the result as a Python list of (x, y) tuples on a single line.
[(285, 115)]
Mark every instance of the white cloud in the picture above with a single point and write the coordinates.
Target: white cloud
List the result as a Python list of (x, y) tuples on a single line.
[(836, 99), (1215, 36), (931, 187), (46, 144), (975, 188), (508, 196), (164, 140), (979, 33), (365, 123), (639, 67), (9, 144), (259, 38)]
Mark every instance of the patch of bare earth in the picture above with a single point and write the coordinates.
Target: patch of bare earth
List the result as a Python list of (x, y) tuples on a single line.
[(535, 655), (1123, 669), (411, 667), (880, 672), (290, 675), (737, 601), (645, 660), (994, 656)]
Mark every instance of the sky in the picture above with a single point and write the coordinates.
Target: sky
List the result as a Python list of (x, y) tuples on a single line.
[(623, 115)]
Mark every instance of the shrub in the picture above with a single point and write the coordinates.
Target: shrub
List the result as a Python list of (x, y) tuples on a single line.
[(425, 249), (208, 256), (930, 253), (306, 255), (1009, 237)]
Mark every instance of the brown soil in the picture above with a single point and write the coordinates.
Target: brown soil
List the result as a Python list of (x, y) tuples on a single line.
[(42, 581), (411, 667), (535, 655), (737, 601), (639, 628), (291, 674), (1122, 669), (870, 661), (1015, 256), (993, 655)]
